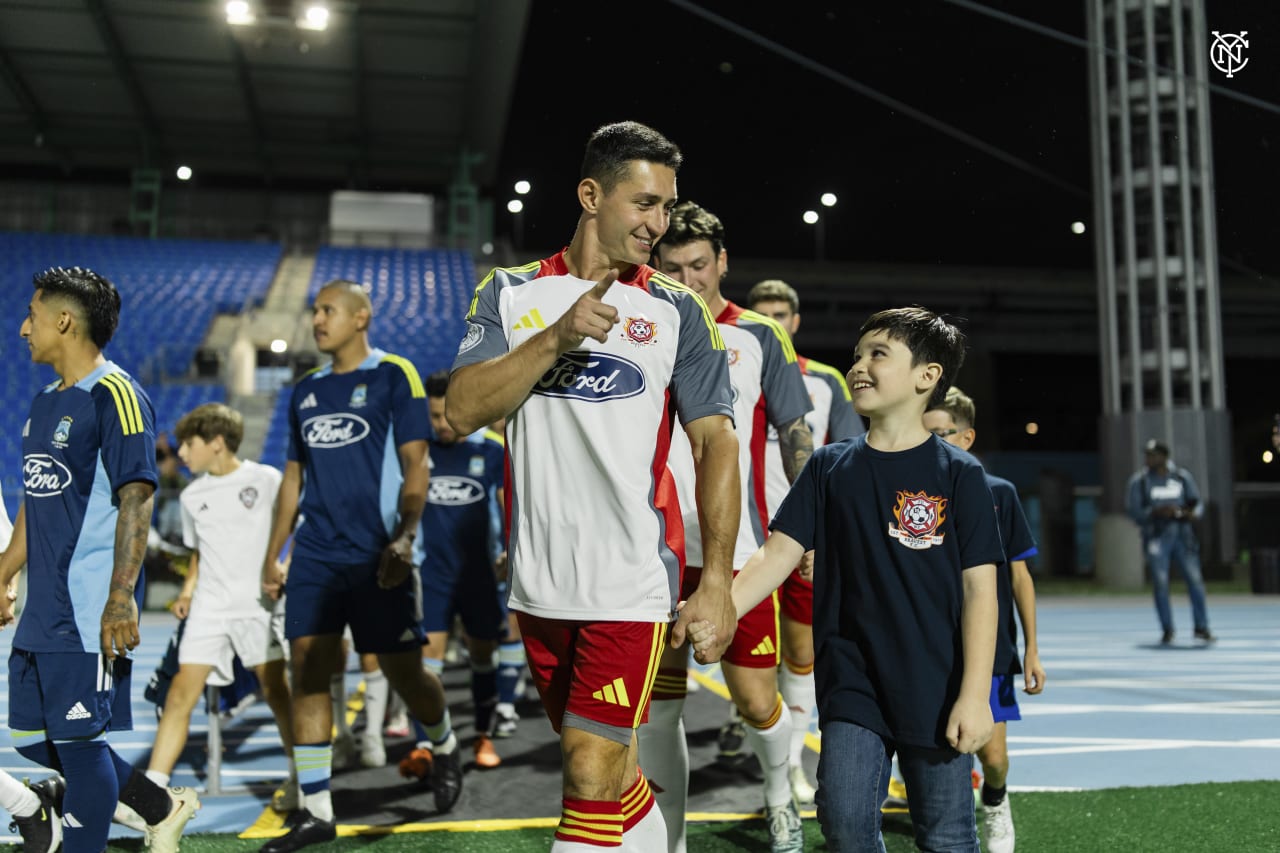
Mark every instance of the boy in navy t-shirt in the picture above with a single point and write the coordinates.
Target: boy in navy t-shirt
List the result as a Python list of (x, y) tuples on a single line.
[(905, 545)]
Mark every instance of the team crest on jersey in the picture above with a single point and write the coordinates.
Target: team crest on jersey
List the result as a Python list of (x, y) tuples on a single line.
[(359, 396), (476, 466), (640, 331), (473, 337), (732, 354), (919, 516), (248, 496), (62, 433)]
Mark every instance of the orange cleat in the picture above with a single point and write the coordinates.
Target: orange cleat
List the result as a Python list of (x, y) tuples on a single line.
[(486, 756), (417, 764)]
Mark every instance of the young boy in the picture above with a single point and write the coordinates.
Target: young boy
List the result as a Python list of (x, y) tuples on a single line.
[(226, 518), (953, 422), (905, 546)]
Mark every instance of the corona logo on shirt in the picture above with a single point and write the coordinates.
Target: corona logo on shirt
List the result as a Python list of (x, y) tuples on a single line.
[(591, 376), (454, 491), (43, 476), (640, 331), (919, 515), (327, 431)]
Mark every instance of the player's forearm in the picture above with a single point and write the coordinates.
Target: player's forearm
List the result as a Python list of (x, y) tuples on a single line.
[(767, 569), (14, 557), (413, 491), (1024, 599), (481, 393), (286, 511), (978, 621), (795, 442), (133, 523), (719, 496), (193, 574)]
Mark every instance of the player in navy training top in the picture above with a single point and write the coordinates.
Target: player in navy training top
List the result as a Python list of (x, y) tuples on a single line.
[(88, 466), (355, 480)]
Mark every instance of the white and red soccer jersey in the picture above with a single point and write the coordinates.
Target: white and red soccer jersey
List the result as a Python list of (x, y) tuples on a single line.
[(594, 530), (767, 390), (832, 419)]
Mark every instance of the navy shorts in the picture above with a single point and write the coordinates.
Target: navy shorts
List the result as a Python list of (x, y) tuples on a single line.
[(1004, 699), (472, 594), (69, 695), (324, 598)]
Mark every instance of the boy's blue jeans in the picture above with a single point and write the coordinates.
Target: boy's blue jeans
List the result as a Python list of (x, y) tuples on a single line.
[(853, 775)]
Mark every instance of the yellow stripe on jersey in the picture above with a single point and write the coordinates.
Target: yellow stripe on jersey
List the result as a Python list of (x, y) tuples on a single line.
[(661, 280), (650, 675), (126, 403), (493, 435), (484, 282), (812, 366), (410, 372), (788, 349)]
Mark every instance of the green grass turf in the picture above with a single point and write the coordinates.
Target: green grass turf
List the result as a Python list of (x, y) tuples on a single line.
[(1206, 818)]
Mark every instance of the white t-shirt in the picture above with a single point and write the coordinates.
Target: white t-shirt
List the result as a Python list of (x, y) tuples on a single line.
[(227, 520)]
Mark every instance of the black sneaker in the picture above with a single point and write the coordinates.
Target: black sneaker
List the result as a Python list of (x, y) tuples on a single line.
[(307, 831), (42, 832), (1205, 635), (446, 779), (730, 740), (1166, 639)]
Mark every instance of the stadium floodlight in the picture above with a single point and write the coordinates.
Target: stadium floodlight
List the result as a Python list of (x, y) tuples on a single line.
[(828, 199), (1267, 456), (523, 187), (184, 173), (315, 17), (1032, 428), (240, 13), (279, 345), (1077, 227), (515, 206), (810, 217)]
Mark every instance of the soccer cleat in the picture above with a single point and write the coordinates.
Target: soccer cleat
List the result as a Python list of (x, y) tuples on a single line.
[(126, 816), (397, 726), (345, 752), (897, 798), (1204, 635), (486, 756), (417, 764), (446, 778), (786, 833), (505, 720), (730, 740), (42, 831), (165, 835), (286, 799), (1166, 639), (307, 831), (800, 787), (997, 828), (372, 752)]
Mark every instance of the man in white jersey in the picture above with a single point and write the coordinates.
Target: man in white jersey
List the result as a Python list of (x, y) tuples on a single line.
[(590, 354), (226, 520), (767, 389), (832, 419)]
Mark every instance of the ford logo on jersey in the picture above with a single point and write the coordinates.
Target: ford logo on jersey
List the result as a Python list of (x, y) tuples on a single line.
[(326, 431), (43, 476), (454, 491), (591, 376)]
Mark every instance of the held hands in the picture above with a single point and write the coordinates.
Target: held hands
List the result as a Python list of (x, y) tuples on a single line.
[(396, 563), (273, 578), (589, 317), (6, 606), (806, 567), (970, 725), (711, 611), (119, 634)]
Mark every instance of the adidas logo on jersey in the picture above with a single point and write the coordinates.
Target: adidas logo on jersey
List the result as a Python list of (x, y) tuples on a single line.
[(308, 402), (766, 647), (614, 694), (78, 712), (531, 320)]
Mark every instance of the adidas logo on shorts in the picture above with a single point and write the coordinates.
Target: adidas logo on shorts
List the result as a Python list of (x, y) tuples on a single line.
[(78, 712)]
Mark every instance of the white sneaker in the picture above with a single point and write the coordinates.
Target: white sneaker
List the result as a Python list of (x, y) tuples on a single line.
[(505, 720), (286, 798), (786, 832), (997, 828), (372, 752), (800, 787), (165, 835), (345, 753), (126, 816)]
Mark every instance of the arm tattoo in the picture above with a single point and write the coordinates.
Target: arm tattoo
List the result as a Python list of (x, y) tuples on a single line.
[(796, 443), (132, 526)]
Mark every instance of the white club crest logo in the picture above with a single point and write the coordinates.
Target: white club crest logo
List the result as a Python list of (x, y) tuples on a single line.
[(1227, 52), (62, 433)]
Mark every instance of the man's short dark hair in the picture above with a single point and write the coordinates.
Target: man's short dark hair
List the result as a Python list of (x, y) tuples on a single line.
[(929, 338), (612, 147), (690, 223), (97, 301), (773, 290), (437, 383)]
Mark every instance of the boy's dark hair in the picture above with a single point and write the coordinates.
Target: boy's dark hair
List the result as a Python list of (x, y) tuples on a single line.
[(960, 407), (612, 147), (929, 338), (96, 299), (773, 290), (437, 383), (689, 223), (210, 421)]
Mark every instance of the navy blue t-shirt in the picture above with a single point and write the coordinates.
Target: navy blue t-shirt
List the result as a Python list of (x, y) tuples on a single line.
[(456, 532), (892, 534), (1019, 544)]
